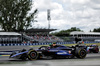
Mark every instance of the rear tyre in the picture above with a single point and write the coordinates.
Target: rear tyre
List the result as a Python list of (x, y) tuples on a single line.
[(43, 48), (32, 55), (80, 53)]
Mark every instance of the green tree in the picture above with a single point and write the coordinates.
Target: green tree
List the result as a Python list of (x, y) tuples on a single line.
[(66, 32), (96, 30), (15, 16)]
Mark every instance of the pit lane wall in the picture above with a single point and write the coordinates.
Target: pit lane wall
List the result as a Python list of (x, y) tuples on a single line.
[(29, 44)]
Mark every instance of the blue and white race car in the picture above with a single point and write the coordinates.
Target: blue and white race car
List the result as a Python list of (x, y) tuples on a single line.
[(59, 51)]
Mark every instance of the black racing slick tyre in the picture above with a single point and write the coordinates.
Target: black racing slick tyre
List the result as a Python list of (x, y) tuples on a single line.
[(43, 48), (80, 53), (32, 55)]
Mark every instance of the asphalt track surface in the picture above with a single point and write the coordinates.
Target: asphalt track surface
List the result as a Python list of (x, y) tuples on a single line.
[(92, 59)]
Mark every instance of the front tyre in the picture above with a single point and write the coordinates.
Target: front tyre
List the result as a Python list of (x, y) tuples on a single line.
[(81, 53), (32, 55)]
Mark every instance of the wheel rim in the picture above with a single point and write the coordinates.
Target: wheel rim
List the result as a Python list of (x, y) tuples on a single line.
[(82, 53), (32, 55)]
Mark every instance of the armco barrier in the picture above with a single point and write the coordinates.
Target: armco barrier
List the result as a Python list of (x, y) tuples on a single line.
[(29, 44)]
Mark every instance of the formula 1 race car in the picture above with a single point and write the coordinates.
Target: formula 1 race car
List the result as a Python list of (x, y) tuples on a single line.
[(92, 48), (59, 51)]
